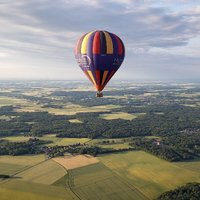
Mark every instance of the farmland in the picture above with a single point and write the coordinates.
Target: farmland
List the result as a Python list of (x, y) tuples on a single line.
[(20, 190), (99, 182), (149, 174), (62, 115), (46, 172), (49, 137), (120, 115), (12, 164)]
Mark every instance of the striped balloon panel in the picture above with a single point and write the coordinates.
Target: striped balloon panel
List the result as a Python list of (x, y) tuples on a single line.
[(100, 42), (99, 54)]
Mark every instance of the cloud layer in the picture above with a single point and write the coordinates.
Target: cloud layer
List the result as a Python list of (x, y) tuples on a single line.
[(162, 38)]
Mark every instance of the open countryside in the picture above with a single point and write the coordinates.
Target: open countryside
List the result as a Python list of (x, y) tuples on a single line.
[(71, 161)]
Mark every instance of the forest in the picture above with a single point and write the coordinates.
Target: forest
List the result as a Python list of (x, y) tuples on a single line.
[(190, 191), (175, 118)]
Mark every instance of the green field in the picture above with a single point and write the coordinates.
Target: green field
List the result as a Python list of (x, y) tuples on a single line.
[(115, 146), (149, 174), (62, 141), (49, 137), (46, 172), (99, 182)]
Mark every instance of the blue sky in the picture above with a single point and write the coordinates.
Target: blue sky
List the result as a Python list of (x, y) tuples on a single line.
[(162, 38)]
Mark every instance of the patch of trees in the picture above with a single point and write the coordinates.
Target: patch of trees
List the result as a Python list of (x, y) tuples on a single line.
[(160, 150), (80, 149), (186, 142), (184, 145), (7, 110), (174, 119), (12, 127), (190, 191), (32, 146)]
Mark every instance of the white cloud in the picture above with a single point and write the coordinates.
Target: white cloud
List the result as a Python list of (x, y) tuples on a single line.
[(47, 31)]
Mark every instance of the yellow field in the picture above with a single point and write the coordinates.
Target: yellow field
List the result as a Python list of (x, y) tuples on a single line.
[(120, 115), (192, 165), (70, 109), (46, 172), (5, 101), (75, 121), (149, 174), (73, 162), (28, 160), (16, 138), (14, 164), (20, 190)]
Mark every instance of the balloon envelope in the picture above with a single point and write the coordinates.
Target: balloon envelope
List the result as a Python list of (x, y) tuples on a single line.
[(99, 54)]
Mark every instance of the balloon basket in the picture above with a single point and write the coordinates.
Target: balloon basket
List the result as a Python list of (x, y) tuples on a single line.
[(99, 94)]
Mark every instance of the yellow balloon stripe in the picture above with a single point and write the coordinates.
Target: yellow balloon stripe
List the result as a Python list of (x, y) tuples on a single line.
[(85, 43), (104, 77), (109, 43), (91, 76)]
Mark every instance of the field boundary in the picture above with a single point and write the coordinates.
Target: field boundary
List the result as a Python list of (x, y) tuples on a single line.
[(133, 188), (29, 167), (69, 180)]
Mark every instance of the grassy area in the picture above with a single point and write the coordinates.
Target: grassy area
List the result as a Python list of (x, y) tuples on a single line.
[(46, 173), (117, 143), (98, 182), (20, 190), (63, 141), (149, 174), (115, 146), (49, 137)]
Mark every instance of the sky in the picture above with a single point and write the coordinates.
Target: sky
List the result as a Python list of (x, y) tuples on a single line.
[(162, 38)]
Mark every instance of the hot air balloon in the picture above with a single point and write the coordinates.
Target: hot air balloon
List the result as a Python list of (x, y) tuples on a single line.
[(99, 54)]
